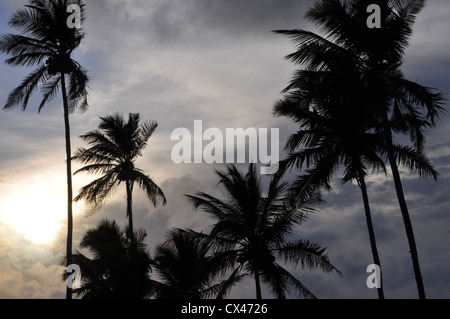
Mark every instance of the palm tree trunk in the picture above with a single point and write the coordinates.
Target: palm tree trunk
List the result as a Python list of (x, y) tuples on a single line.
[(405, 214), (373, 244), (129, 186), (258, 285), (69, 179)]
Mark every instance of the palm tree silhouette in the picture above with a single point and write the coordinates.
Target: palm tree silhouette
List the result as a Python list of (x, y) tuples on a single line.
[(188, 270), (252, 229), (331, 139), (119, 269), (47, 41), (113, 153), (330, 142), (370, 60)]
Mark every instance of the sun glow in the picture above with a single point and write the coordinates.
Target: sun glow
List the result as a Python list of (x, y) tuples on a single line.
[(38, 216)]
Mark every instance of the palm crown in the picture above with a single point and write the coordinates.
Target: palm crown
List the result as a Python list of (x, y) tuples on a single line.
[(113, 150), (252, 228), (188, 270), (46, 41), (360, 66), (118, 268)]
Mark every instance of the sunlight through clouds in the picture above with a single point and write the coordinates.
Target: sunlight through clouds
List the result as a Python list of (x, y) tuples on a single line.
[(37, 215), (36, 208)]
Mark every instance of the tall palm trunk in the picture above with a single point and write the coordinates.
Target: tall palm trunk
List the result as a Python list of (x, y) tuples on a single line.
[(258, 285), (69, 179), (129, 186), (373, 244), (405, 214)]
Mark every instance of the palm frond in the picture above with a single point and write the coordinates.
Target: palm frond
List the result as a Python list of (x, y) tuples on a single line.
[(49, 90), (314, 52), (281, 281), (97, 154), (415, 160), (209, 204), (412, 94), (96, 192), (31, 22), (334, 18), (78, 85), (102, 145), (22, 93), (145, 132), (307, 254), (96, 168), (154, 193), (222, 289)]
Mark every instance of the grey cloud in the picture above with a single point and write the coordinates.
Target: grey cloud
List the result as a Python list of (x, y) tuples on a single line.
[(218, 20)]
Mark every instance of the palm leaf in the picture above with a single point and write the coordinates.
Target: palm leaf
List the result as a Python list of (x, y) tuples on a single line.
[(281, 281), (415, 160), (49, 90), (96, 192), (307, 254), (154, 193), (22, 93)]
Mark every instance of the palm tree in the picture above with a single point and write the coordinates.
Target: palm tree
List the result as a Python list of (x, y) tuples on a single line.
[(330, 140), (188, 270), (47, 42), (372, 59), (113, 153), (119, 268), (252, 229)]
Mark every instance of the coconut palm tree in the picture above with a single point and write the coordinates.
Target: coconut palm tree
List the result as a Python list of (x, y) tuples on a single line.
[(252, 228), (46, 41), (372, 59), (188, 270), (119, 268), (114, 149), (330, 141)]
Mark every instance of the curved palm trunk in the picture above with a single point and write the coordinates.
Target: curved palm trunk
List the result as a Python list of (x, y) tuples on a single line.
[(373, 244), (405, 214), (129, 186), (69, 179)]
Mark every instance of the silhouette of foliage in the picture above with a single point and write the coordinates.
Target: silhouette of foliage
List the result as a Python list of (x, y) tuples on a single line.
[(114, 148), (353, 74), (119, 267), (252, 229), (188, 270)]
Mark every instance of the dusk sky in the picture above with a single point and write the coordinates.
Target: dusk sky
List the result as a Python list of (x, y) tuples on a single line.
[(177, 61)]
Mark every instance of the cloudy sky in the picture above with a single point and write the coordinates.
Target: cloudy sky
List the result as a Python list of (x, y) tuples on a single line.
[(178, 61)]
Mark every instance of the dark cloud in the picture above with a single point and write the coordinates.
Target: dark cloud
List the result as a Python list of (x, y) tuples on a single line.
[(216, 20)]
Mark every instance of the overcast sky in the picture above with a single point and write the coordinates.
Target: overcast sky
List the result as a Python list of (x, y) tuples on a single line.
[(176, 61)]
